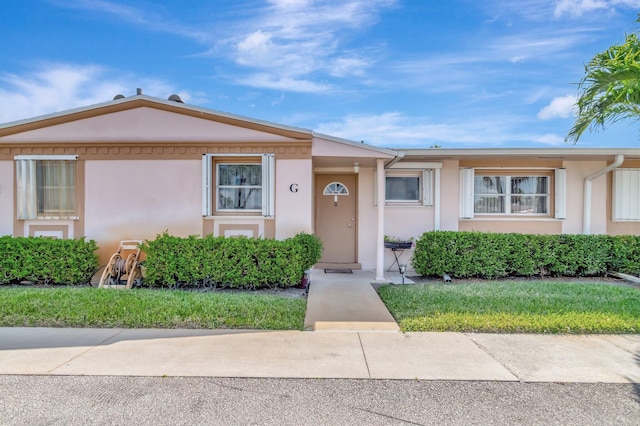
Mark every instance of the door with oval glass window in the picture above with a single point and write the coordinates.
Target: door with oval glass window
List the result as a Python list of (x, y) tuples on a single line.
[(336, 223)]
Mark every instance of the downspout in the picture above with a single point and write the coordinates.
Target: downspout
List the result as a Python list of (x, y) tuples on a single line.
[(586, 211)]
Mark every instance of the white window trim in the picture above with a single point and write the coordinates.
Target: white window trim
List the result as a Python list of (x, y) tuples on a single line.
[(467, 195), (426, 186), (46, 157), (22, 213), (268, 183)]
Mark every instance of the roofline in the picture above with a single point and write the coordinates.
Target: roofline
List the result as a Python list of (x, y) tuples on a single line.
[(541, 152), (152, 99), (360, 145)]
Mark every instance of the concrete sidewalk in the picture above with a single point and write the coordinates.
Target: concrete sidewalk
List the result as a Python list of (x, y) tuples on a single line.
[(359, 340), (325, 354)]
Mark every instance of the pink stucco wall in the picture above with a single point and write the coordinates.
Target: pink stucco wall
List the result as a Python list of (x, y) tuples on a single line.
[(449, 195), (137, 199), (406, 222), (533, 226), (294, 197), (6, 197), (577, 171), (143, 124)]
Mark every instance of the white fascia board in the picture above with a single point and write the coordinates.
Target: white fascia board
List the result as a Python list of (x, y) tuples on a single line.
[(416, 165), (534, 152)]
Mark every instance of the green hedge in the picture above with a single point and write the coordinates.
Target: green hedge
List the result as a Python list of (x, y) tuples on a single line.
[(228, 262), (46, 260), (488, 255)]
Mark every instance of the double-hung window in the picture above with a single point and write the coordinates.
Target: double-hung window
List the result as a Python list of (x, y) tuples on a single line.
[(46, 187), (242, 184), (538, 192), (511, 194), (239, 187), (406, 187)]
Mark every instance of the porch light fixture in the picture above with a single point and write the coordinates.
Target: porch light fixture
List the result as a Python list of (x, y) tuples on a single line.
[(356, 168)]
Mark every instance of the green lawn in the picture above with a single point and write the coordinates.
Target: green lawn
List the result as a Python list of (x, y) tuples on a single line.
[(141, 308), (514, 307)]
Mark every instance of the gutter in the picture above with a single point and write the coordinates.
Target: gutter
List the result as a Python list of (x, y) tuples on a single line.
[(399, 156), (586, 220)]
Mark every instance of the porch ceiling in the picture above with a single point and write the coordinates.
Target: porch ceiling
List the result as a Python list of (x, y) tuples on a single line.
[(341, 162)]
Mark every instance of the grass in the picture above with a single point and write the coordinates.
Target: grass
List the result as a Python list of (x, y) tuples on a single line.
[(515, 307), (106, 308)]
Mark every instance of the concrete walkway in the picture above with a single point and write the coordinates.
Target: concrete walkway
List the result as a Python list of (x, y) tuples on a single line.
[(359, 339), (339, 301)]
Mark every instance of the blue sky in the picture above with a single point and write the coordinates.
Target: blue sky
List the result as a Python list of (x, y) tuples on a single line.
[(393, 73)]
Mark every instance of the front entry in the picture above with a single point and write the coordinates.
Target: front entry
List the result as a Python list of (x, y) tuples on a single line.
[(336, 223)]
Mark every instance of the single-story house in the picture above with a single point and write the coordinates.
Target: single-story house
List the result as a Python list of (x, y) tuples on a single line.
[(137, 166)]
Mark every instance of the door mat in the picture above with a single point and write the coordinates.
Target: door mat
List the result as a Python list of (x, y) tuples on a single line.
[(338, 271)]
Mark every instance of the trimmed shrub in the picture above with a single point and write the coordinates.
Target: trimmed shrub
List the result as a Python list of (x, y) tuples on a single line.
[(46, 260), (489, 255), (310, 248), (240, 262)]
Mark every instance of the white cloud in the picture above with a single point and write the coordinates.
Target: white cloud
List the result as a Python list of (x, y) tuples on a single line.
[(288, 40), (397, 130), (290, 84), (290, 4), (560, 107), (147, 17), (578, 8), (255, 48), (55, 87), (295, 39), (342, 67)]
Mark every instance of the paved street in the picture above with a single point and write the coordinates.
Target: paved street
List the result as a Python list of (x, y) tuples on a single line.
[(60, 400)]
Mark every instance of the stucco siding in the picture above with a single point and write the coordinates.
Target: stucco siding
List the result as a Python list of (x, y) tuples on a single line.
[(131, 199), (405, 222), (449, 195), (577, 171), (294, 198), (548, 226), (142, 124)]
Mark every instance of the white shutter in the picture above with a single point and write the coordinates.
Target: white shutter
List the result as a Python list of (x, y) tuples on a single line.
[(427, 185), (207, 190), (26, 189), (268, 185), (626, 194), (466, 193), (561, 193)]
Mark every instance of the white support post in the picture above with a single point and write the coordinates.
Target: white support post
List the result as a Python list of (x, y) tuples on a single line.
[(380, 224), (436, 201)]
